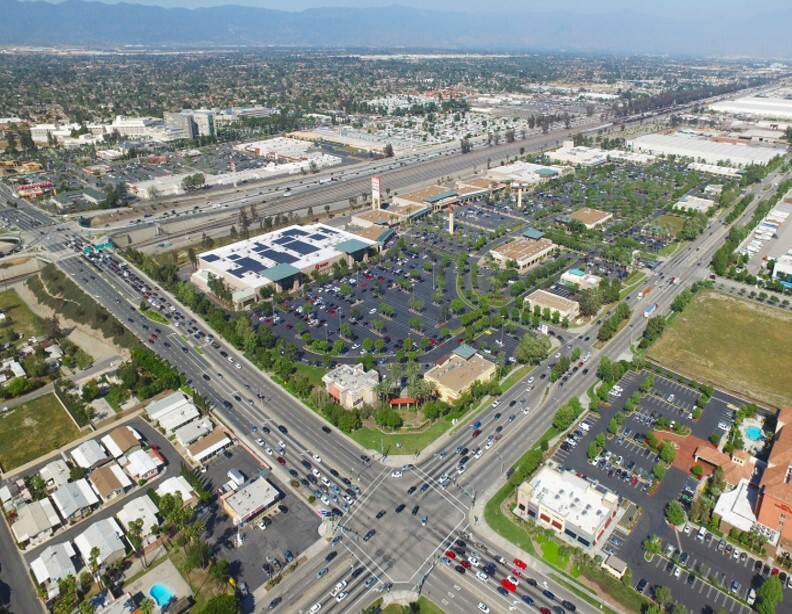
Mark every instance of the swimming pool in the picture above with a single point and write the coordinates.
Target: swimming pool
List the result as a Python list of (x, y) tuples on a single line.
[(161, 594), (754, 433)]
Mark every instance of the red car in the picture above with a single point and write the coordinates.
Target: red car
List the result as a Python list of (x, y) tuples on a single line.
[(544, 611), (776, 571), (451, 554), (517, 573), (151, 341), (508, 585), (476, 433), (281, 460), (520, 564), (466, 564)]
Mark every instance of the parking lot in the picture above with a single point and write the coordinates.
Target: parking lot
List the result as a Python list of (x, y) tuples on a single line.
[(697, 567), (291, 524)]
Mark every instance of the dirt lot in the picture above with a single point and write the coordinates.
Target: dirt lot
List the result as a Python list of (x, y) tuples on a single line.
[(735, 344), (90, 340)]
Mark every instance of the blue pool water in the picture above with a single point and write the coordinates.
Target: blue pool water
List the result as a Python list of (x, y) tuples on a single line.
[(161, 594), (753, 433)]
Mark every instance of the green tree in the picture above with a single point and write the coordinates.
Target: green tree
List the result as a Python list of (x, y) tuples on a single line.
[(223, 604), (674, 513), (147, 605), (652, 544), (532, 349), (220, 572), (667, 452), (662, 595), (769, 594)]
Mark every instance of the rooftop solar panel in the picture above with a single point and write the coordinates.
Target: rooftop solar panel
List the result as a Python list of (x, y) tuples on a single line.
[(295, 232), (283, 240), (302, 248), (317, 237), (210, 258), (279, 257), (234, 257)]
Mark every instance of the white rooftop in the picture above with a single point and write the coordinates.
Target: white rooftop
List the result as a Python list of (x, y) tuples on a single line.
[(524, 172), (104, 534), (753, 105), (252, 498), (736, 506), (33, 519), (192, 431), (88, 454), (141, 463), (351, 377), (73, 497), (176, 484), (54, 563), (166, 404), (571, 497), (704, 149), (142, 508), (301, 247), (55, 473)]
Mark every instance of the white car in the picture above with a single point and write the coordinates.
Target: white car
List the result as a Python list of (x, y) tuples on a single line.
[(483, 607), (473, 560), (317, 458), (341, 596), (325, 481), (316, 473), (531, 379), (268, 450), (558, 355), (396, 474), (495, 403), (260, 442), (513, 580), (237, 365), (461, 469), (281, 444), (262, 524), (482, 576)]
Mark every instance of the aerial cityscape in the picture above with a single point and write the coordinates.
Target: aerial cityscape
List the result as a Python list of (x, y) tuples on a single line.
[(432, 308)]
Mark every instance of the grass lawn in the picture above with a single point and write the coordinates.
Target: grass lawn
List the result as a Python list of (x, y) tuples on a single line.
[(671, 248), (33, 429), (23, 320), (155, 316), (517, 375), (551, 554), (424, 607), (673, 222), (314, 374), (373, 439), (729, 341)]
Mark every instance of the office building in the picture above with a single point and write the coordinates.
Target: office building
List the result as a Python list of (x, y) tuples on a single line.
[(569, 505), (566, 308), (352, 386), (591, 218), (455, 373), (250, 499), (524, 253)]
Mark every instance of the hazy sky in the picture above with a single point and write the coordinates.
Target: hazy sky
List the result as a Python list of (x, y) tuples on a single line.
[(676, 8)]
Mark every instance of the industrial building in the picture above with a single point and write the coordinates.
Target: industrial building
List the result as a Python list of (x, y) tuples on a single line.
[(708, 150), (456, 372), (280, 258), (351, 385), (591, 218), (571, 506), (565, 307), (584, 156), (523, 252), (770, 107)]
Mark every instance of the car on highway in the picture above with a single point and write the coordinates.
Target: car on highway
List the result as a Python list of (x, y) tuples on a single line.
[(396, 474), (483, 607), (380, 514), (322, 572), (274, 603), (371, 533), (400, 508), (281, 460)]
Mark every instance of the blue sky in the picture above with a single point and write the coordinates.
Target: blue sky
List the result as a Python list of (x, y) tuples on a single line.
[(670, 8)]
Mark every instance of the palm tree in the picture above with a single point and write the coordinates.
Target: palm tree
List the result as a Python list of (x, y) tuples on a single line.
[(146, 605), (93, 564), (135, 532)]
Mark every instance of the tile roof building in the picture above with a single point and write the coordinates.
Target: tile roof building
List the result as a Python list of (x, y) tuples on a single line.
[(774, 507), (591, 218), (351, 385), (455, 373), (566, 308), (524, 252)]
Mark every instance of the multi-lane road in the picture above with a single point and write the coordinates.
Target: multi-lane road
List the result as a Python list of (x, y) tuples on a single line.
[(404, 551)]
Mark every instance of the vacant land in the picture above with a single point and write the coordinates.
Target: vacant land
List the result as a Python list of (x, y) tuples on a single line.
[(674, 223), (34, 429), (733, 343), (22, 318)]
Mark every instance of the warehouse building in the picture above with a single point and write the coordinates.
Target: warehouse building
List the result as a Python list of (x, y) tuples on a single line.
[(281, 258), (707, 150), (569, 505), (782, 271), (565, 307), (591, 218), (770, 107), (456, 372), (524, 252)]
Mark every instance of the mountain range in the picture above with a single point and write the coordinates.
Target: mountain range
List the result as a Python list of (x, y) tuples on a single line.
[(95, 24)]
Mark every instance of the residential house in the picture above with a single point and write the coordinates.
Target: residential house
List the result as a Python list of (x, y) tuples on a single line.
[(55, 474), (121, 440), (104, 534), (55, 563), (89, 454), (140, 508), (74, 500), (109, 481), (35, 521)]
